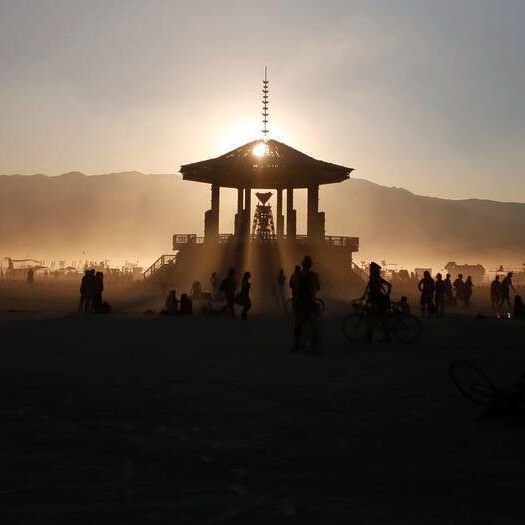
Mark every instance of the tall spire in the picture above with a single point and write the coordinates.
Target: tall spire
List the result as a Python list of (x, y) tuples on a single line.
[(265, 103)]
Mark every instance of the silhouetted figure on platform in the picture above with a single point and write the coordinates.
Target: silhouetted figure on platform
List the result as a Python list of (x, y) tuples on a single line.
[(426, 287), (30, 277), (439, 295), (84, 286), (506, 287), (459, 288), (305, 284), (280, 293), (171, 305), (496, 293), (186, 305), (228, 287), (377, 296), (519, 308), (469, 285), (449, 291), (243, 297)]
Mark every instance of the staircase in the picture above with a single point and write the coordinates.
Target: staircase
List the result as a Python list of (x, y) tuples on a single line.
[(160, 264)]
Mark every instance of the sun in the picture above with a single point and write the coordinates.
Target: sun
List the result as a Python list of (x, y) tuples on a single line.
[(260, 149)]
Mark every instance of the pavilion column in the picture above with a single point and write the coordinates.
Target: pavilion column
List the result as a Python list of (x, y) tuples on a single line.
[(291, 219), (247, 210), (239, 216), (312, 219), (280, 217), (211, 217)]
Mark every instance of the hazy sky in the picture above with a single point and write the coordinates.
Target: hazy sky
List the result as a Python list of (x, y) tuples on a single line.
[(427, 95)]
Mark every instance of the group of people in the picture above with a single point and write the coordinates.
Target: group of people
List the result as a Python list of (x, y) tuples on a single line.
[(228, 288), (500, 296), (438, 293), (174, 306), (91, 288)]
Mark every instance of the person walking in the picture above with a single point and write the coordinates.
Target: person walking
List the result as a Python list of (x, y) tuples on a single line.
[(449, 291), (459, 288)]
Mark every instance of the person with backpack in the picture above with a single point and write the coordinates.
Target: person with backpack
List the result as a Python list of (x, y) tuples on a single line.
[(227, 288)]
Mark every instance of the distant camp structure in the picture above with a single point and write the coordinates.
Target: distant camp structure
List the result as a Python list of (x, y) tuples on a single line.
[(476, 271), (273, 241)]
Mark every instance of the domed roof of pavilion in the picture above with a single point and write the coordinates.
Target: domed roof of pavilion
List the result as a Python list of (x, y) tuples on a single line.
[(269, 164)]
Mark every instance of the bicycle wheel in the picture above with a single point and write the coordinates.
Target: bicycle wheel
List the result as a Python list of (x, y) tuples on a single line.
[(406, 328), (356, 327), (472, 382)]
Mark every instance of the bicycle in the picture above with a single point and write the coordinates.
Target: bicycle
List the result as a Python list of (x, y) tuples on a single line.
[(478, 388), (359, 325), (289, 307)]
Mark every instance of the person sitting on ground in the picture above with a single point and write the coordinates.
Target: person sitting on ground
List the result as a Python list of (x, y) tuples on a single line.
[(519, 308), (439, 295), (228, 288), (403, 305), (426, 287), (171, 305), (243, 297), (495, 293), (459, 287), (186, 305), (506, 287), (469, 285)]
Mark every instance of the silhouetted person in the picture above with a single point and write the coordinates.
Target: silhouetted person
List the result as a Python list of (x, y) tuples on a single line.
[(519, 308), (439, 295), (214, 284), (171, 306), (98, 288), (305, 285), (426, 287), (90, 291), (459, 288), (30, 277), (84, 284), (228, 287), (294, 282), (186, 306), (449, 291), (496, 293), (469, 285), (506, 287), (196, 290), (377, 296), (243, 297), (403, 305), (280, 293)]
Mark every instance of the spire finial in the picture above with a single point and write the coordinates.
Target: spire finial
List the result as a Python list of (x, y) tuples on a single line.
[(265, 103)]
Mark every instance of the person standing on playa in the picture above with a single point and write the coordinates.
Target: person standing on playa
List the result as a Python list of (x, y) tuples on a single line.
[(280, 294), (439, 295), (459, 287), (469, 285), (495, 293), (506, 287), (243, 298), (426, 287), (83, 291), (228, 287), (449, 291)]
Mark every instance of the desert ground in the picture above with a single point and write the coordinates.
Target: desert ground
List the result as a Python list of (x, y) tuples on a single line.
[(140, 418)]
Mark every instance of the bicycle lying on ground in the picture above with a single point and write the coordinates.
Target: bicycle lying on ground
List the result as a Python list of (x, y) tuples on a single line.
[(361, 324), (478, 388), (288, 305)]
